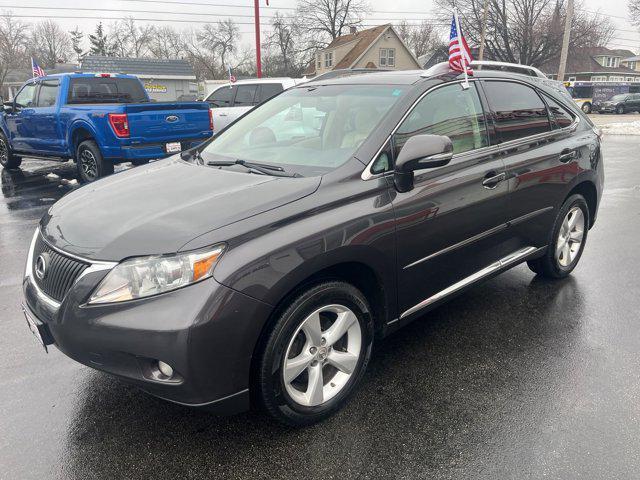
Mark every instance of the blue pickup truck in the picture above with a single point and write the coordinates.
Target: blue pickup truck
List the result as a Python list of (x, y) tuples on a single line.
[(97, 120)]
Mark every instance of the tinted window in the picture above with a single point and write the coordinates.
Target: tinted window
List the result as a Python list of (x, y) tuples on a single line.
[(518, 110), (26, 97), (222, 97), (106, 90), (268, 90), (560, 116), (245, 95), (48, 94), (449, 111)]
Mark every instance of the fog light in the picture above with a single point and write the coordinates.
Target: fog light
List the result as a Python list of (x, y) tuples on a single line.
[(165, 369)]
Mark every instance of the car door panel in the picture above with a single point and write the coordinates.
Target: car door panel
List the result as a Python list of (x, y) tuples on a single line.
[(47, 133), (450, 225), (19, 121)]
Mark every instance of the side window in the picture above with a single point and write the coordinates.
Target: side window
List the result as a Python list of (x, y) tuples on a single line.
[(517, 109), (48, 94), (268, 90), (26, 96), (449, 111), (222, 97), (245, 95), (560, 116)]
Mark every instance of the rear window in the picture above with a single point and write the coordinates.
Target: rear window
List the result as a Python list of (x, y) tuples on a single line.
[(106, 90), (268, 90)]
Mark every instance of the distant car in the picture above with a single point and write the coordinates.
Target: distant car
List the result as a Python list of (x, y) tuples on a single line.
[(231, 100), (622, 103), (97, 120)]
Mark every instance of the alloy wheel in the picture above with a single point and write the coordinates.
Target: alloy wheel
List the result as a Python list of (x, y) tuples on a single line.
[(89, 164), (322, 355), (570, 237), (4, 152)]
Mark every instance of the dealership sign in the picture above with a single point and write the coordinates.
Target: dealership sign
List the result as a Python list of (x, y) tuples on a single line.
[(155, 88)]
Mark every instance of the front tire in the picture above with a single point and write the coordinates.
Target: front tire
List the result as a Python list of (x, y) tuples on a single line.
[(316, 354), (90, 163), (586, 107), (619, 109), (7, 159), (566, 242)]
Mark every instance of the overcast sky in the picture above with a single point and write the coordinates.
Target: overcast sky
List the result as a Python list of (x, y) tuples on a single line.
[(626, 35)]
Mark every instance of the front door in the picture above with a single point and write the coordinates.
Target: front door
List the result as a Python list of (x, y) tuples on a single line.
[(47, 134), (220, 102), (19, 121), (452, 223)]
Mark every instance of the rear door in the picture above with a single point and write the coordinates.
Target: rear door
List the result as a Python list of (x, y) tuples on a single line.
[(267, 91), (452, 224), (221, 101), (244, 100), (47, 134), (540, 154), (19, 121)]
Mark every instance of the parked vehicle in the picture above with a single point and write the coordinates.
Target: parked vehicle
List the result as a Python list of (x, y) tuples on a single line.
[(231, 100), (589, 96), (261, 266), (622, 103), (98, 120)]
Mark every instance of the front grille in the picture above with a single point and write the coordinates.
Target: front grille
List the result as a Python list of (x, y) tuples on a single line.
[(60, 273)]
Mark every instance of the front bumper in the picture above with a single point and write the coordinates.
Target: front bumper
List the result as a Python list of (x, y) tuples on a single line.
[(206, 332)]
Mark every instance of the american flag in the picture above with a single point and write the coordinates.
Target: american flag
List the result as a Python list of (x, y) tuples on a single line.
[(36, 69), (459, 58)]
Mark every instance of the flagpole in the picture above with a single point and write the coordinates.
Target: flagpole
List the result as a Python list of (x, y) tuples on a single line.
[(463, 60)]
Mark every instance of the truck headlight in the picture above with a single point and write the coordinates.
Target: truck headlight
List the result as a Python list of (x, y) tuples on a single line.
[(145, 276)]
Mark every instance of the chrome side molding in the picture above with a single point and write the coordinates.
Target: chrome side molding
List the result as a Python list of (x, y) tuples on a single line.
[(479, 275)]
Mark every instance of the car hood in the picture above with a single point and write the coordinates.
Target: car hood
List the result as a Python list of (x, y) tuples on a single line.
[(160, 207)]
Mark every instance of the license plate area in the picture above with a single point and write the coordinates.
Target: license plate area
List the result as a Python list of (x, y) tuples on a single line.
[(38, 329), (173, 147)]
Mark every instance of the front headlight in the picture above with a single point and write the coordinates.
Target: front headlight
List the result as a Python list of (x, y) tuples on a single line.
[(146, 276)]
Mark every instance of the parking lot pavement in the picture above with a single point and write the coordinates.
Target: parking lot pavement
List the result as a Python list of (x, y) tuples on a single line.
[(518, 378), (604, 119)]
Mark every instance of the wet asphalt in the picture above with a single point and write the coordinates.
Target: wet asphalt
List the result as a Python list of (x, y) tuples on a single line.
[(518, 378)]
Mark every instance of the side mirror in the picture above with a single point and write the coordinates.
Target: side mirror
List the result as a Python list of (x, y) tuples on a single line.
[(7, 107), (420, 152)]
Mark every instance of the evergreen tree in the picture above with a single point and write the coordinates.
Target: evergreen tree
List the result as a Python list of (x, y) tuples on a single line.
[(99, 42), (76, 43)]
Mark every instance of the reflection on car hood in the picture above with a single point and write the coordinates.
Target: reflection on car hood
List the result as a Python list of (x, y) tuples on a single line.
[(160, 207)]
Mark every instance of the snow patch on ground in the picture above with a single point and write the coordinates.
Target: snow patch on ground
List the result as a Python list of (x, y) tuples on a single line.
[(626, 128)]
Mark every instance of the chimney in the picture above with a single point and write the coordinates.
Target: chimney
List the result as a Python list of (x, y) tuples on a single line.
[(352, 29)]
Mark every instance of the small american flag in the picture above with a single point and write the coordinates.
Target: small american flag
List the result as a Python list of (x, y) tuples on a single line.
[(36, 69), (459, 53)]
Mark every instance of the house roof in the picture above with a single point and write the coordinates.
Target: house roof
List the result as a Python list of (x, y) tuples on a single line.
[(147, 67), (612, 52), (582, 60), (635, 58)]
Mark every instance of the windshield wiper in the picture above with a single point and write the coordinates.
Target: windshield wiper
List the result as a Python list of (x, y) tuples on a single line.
[(265, 169), (193, 155)]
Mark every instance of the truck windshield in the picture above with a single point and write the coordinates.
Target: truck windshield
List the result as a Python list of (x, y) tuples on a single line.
[(308, 130), (106, 90)]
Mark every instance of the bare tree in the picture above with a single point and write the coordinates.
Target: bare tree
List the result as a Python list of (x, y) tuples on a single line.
[(166, 42), (527, 31), (129, 39), (328, 19), (13, 45), (421, 38), (285, 47), (634, 11), (50, 44)]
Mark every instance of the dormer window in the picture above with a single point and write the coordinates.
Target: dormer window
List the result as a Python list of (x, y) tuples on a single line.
[(328, 60)]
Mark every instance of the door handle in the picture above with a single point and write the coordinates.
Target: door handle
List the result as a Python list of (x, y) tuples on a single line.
[(567, 155), (491, 180)]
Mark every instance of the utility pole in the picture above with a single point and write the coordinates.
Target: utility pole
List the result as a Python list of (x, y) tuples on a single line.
[(483, 35), (256, 7), (565, 41)]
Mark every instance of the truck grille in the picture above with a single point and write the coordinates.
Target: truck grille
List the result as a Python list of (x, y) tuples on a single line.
[(60, 273)]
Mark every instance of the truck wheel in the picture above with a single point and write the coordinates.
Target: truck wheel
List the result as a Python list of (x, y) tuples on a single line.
[(91, 165), (7, 159)]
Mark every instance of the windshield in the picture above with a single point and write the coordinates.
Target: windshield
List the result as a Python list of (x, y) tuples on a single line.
[(310, 130), (618, 98)]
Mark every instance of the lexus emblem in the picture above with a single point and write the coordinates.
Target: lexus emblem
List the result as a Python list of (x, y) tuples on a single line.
[(172, 118), (42, 262)]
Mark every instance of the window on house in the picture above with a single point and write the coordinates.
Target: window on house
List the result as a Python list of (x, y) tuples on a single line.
[(387, 57), (318, 62), (328, 59)]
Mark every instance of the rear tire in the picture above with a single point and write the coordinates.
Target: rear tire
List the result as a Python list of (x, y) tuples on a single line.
[(7, 159), (566, 241), (307, 368), (90, 163)]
